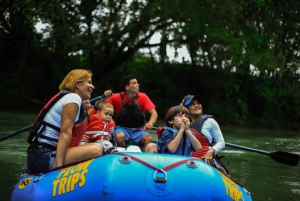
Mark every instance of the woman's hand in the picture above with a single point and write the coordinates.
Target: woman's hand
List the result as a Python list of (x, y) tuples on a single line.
[(208, 157)]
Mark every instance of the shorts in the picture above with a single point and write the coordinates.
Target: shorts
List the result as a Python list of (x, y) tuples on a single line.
[(41, 160), (131, 134)]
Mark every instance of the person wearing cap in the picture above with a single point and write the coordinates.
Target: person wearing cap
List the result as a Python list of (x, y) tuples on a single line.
[(130, 107), (205, 127)]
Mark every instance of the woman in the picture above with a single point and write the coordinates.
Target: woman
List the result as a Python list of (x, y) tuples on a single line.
[(205, 128), (57, 132)]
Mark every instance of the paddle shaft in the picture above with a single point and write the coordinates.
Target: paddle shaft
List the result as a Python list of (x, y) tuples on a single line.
[(247, 148), (92, 101)]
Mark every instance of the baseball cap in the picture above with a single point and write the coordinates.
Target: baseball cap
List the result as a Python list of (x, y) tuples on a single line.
[(189, 98)]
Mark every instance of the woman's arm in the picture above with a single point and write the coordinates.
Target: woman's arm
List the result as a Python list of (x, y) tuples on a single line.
[(68, 116), (217, 136), (211, 128)]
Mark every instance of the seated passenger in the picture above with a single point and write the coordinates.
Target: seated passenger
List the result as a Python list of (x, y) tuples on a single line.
[(130, 108), (101, 127), (59, 127), (176, 137), (206, 129)]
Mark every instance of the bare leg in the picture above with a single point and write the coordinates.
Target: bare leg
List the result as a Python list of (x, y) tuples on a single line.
[(120, 138), (151, 147), (80, 153), (146, 139)]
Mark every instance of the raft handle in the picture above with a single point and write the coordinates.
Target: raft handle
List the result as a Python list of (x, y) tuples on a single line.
[(38, 178), (160, 179)]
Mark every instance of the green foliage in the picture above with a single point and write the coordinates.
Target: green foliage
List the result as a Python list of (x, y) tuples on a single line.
[(223, 38)]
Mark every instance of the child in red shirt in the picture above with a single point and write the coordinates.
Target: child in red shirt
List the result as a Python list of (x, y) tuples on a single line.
[(101, 127)]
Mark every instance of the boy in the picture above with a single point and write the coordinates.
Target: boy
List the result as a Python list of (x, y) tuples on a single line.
[(177, 138), (101, 127)]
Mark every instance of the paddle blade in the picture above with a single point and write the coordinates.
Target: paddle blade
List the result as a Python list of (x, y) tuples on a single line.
[(285, 157)]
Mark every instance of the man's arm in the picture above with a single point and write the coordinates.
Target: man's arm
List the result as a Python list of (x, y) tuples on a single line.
[(152, 120)]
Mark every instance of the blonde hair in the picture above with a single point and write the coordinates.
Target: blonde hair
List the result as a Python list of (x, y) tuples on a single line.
[(99, 105), (74, 77)]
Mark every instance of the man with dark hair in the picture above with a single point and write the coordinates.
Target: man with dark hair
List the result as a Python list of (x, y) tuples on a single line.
[(130, 107)]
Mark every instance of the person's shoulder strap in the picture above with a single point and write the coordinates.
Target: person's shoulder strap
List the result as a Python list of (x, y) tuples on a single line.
[(199, 122), (160, 129), (122, 97), (40, 119)]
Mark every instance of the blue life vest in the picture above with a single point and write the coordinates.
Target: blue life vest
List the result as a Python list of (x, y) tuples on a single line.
[(184, 148)]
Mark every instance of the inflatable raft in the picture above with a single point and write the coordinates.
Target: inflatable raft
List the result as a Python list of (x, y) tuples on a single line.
[(131, 176)]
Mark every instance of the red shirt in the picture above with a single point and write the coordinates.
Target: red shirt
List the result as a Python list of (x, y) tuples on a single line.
[(143, 100), (97, 125)]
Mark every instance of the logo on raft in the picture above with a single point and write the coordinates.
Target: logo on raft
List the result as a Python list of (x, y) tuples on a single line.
[(24, 183), (232, 189), (70, 178)]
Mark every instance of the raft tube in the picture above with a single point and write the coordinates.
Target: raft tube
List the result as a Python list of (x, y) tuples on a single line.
[(132, 176)]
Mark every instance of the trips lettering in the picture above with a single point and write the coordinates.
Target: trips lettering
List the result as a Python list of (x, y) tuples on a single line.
[(70, 178), (232, 189)]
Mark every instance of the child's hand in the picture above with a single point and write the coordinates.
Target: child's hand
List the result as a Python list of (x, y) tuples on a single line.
[(187, 124), (182, 125), (85, 139), (87, 103)]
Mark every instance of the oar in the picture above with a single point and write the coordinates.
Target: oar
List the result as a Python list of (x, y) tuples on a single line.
[(92, 101), (279, 156)]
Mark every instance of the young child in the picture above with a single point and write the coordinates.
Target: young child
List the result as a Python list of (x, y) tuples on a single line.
[(101, 127), (177, 138)]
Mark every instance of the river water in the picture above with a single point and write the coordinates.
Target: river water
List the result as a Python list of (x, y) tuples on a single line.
[(266, 179)]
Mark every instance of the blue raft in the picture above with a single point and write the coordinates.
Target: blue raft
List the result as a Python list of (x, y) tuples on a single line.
[(132, 176)]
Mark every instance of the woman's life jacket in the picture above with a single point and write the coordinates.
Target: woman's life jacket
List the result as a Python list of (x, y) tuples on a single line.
[(196, 128), (130, 114), (40, 125)]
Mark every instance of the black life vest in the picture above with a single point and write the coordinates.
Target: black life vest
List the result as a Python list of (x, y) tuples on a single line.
[(196, 128), (130, 114)]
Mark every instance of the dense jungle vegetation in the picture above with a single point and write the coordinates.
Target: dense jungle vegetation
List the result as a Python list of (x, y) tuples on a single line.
[(243, 55)]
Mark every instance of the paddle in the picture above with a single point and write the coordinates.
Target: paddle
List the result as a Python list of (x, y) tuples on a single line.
[(279, 156), (92, 101)]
